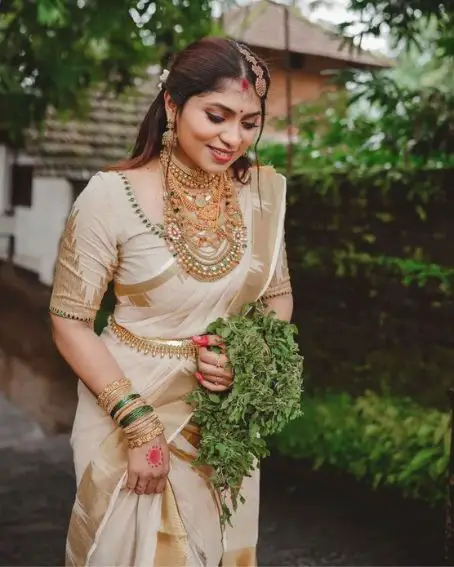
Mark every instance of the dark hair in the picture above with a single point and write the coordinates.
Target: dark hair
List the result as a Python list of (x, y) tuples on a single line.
[(201, 67)]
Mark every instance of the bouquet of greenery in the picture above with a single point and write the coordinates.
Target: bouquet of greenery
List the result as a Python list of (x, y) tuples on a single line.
[(266, 394)]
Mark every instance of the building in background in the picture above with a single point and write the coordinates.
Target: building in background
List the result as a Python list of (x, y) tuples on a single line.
[(314, 51), (39, 183)]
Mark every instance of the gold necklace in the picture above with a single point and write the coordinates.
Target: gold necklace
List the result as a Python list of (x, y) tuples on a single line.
[(195, 178), (209, 208), (207, 246)]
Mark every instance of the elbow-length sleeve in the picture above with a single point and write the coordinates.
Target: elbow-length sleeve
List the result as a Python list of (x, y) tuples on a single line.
[(87, 256), (280, 282)]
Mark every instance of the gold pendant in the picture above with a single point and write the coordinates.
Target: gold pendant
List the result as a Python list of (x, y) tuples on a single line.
[(202, 200)]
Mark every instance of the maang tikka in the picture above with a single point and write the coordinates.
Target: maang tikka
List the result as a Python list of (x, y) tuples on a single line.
[(260, 81)]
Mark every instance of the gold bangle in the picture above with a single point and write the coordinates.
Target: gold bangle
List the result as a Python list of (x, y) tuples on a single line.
[(110, 388), (142, 425), (115, 397), (149, 426), (135, 404), (146, 438), (139, 425)]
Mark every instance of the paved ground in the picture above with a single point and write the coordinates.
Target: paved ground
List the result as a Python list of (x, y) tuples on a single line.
[(307, 518)]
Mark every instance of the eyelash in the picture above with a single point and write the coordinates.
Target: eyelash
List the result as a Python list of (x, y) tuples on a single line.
[(218, 119)]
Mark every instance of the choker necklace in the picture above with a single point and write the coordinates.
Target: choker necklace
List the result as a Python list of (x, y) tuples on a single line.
[(191, 178), (207, 239)]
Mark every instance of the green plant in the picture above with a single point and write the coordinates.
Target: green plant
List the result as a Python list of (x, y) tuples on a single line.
[(360, 196), (265, 395), (386, 441), (55, 52)]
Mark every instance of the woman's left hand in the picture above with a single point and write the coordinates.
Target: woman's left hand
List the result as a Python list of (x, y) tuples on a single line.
[(215, 371)]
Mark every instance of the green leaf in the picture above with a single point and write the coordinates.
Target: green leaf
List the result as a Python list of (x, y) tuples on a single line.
[(51, 12), (215, 398)]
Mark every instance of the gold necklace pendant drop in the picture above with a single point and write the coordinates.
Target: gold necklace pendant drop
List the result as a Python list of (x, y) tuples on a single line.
[(202, 200), (208, 240)]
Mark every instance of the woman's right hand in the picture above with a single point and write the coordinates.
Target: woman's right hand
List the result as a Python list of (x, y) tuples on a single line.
[(148, 467)]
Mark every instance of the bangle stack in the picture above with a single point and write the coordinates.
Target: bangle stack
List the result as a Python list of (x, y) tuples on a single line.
[(130, 411)]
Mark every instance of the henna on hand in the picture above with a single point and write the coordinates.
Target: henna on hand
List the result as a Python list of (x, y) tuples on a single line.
[(155, 457)]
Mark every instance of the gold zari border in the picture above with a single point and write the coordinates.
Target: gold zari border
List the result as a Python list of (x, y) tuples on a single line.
[(148, 285), (67, 315), (282, 288)]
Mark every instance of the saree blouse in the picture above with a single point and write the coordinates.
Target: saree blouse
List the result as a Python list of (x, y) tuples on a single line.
[(109, 237)]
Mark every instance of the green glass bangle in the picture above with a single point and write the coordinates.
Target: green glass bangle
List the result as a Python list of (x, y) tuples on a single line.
[(139, 412), (122, 403)]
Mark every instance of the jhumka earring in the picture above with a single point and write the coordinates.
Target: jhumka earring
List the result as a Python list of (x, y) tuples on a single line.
[(168, 138)]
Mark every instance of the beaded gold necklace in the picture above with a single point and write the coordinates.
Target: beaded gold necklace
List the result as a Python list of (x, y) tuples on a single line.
[(207, 239)]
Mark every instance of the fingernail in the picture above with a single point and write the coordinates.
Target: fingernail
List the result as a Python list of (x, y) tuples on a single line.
[(200, 340), (199, 376)]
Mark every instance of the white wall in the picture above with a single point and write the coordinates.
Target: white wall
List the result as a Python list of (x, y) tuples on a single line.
[(6, 223), (38, 228), (6, 160)]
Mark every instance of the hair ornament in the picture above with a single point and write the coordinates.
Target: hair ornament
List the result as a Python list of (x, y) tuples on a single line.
[(163, 79), (257, 69)]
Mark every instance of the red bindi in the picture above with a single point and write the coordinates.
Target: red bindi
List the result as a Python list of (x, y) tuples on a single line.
[(244, 84), (154, 457)]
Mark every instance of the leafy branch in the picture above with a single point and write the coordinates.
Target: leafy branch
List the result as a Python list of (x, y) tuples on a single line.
[(55, 52), (265, 396)]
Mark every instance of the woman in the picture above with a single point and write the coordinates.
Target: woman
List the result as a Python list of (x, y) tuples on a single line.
[(188, 231)]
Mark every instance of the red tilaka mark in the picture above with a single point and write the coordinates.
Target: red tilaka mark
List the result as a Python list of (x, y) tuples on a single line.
[(244, 84), (154, 456)]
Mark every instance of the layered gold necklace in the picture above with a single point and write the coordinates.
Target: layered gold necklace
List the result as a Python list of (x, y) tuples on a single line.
[(207, 238)]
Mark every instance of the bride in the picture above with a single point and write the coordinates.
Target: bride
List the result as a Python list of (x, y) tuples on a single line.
[(188, 230)]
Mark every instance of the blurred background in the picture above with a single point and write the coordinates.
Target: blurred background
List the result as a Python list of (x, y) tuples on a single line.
[(361, 121)]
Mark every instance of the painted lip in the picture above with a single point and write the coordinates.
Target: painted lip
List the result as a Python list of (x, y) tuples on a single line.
[(220, 156)]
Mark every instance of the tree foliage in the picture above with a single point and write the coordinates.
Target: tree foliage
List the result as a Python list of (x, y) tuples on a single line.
[(401, 20), (425, 65), (397, 117), (55, 51)]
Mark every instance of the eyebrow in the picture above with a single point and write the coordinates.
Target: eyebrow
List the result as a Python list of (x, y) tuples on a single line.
[(230, 111)]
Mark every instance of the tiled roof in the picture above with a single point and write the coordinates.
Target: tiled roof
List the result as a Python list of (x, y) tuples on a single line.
[(262, 25), (77, 149)]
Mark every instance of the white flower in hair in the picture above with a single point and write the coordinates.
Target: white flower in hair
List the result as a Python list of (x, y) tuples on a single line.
[(163, 78)]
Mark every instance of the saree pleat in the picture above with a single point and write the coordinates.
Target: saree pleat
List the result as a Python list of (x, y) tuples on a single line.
[(172, 540), (110, 526)]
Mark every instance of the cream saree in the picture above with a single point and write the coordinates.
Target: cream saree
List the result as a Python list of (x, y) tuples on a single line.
[(108, 236)]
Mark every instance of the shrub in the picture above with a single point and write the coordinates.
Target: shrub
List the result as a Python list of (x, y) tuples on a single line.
[(386, 441)]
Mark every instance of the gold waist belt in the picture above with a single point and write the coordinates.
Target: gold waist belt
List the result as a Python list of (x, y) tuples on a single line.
[(179, 348)]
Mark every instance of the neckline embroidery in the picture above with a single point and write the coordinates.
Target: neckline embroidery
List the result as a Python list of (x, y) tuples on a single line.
[(155, 228)]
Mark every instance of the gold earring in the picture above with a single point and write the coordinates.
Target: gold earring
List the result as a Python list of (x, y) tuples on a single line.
[(168, 138)]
